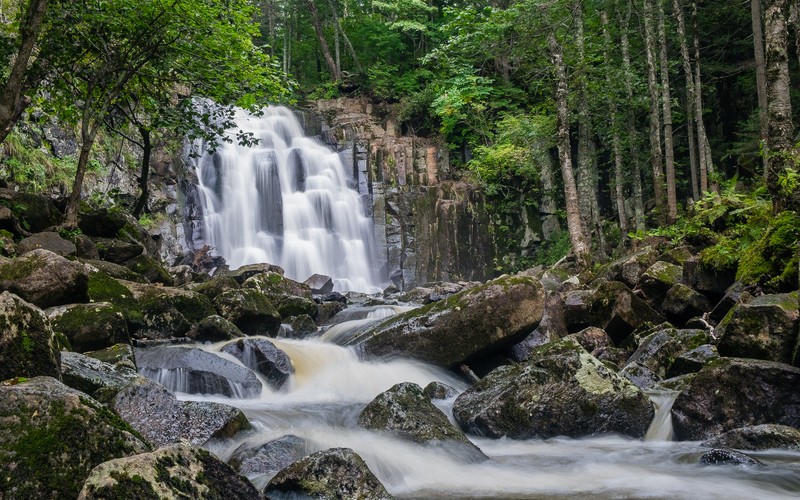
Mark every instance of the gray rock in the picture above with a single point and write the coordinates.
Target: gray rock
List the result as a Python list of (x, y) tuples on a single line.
[(270, 457), (658, 279), (28, 346), (730, 392), (195, 371), (178, 471), (618, 311), (658, 350), (693, 361), (90, 326), (705, 279), (683, 303), (45, 279), (214, 329), (51, 436), (49, 241), (531, 399), (155, 412), (634, 266), (96, 378), (289, 297), (640, 375), (758, 438), (250, 310), (301, 327), (552, 327), (241, 274), (727, 457), (592, 339), (116, 251), (35, 212), (262, 356), (319, 283), (332, 473), (119, 355), (735, 294), (439, 390)]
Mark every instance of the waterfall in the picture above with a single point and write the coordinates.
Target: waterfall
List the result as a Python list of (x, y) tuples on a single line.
[(286, 200)]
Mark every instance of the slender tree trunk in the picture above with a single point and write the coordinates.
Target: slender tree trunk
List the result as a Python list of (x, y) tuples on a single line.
[(616, 146), (88, 135), (656, 157), (666, 106), (323, 44), (587, 183), (579, 245), (780, 140), (703, 147), (636, 174), (346, 40), (12, 101), (147, 149), (677, 8), (794, 20), (761, 74)]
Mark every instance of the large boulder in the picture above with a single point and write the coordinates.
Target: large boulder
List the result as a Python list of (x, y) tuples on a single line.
[(155, 412), (289, 297), (116, 251), (707, 279), (404, 410), (150, 268), (168, 312), (658, 279), (262, 356), (214, 329), (682, 303), (34, 212), (319, 283), (464, 327), (242, 274), (618, 311), (692, 361), (51, 436), (758, 438), (731, 392), (764, 328), (90, 326), (269, 457), (45, 279), (96, 378), (195, 371), (178, 471), (250, 310), (658, 350), (105, 222), (49, 240), (28, 346), (561, 379), (104, 288), (552, 327), (332, 473)]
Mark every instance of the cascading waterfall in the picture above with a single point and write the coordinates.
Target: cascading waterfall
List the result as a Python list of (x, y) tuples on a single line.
[(286, 201)]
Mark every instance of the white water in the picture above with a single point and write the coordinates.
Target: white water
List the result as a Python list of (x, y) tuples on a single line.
[(286, 201), (331, 385)]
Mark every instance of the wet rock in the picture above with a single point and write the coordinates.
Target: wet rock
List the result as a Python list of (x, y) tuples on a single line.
[(682, 304), (45, 279), (241, 274), (658, 279), (96, 378), (214, 329), (28, 346), (530, 400), (552, 327), (764, 328), (289, 297), (119, 355), (168, 312), (51, 436), (758, 438), (467, 326), (250, 310), (270, 457), (178, 471), (262, 356), (51, 241), (439, 390), (90, 326), (195, 371), (330, 297), (640, 375), (150, 268), (678, 383), (155, 412), (705, 279), (332, 473), (735, 294), (727, 457), (116, 251), (730, 392), (618, 311), (405, 411), (658, 350), (300, 327), (328, 310), (319, 284), (592, 339), (693, 361)]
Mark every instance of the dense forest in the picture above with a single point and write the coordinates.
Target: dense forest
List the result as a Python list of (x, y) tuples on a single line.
[(627, 118)]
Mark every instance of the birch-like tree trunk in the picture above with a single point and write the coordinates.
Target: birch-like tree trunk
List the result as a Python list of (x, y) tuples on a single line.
[(677, 8), (335, 70), (656, 157), (636, 174), (703, 146), (761, 74), (666, 106)]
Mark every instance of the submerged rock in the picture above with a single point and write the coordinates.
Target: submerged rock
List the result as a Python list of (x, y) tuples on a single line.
[(51, 436), (269, 457), (332, 473), (28, 346), (757, 438), (262, 356), (561, 379), (439, 390), (45, 279), (173, 472), (466, 326), (727, 457)]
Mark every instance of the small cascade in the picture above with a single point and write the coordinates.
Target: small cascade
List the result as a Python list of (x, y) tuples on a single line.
[(349, 322), (287, 201), (661, 427)]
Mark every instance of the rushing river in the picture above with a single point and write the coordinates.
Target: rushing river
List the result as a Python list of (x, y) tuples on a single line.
[(330, 386)]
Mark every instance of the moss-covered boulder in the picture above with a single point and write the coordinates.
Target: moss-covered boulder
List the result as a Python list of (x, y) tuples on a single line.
[(45, 279), (561, 391), (116, 251), (405, 411), (28, 346), (250, 310), (682, 303), (706, 278), (243, 273), (103, 222), (552, 327), (90, 327), (104, 288), (439, 390), (168, 312), (629, 269), (466, 326), (764, 328), (115, 271), (299, 327), (758, 438), (731, 392), (49, 240), (289, 297), (618, 311), (178, 471), (692, 361), (658, 279), (262, 356), (96, 378), (34, 212), (52, 436), (658, 350), (773, 260), (214, 329), (214, 286), (119, 355), (332, 473), (155, 412), (150, 268)]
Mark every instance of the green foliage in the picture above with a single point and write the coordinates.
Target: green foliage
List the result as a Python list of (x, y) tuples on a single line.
[(23, 163)]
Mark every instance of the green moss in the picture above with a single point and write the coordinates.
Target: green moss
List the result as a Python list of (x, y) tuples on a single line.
[(773, 261), (21, 268), (104, 288), (193, 307)]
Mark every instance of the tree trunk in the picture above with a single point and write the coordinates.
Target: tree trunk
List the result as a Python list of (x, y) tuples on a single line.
[(587, 183), (579, 246), (323, 44), (666, 105), (88, 134), (781, 131), (703, 146), (656, 157), (636, 174), (794, 20), (147, 149), (344, 37), (12, 102), (616, 146), (677, 8), (761, 75)]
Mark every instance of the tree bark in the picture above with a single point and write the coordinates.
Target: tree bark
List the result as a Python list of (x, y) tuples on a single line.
[(703, 147), (636, 174), (666, 105), (88, 135), (656, 157), (781, 131), (147, 149), (579, 246), (677, 8), (323, 44), (794, 20), (12, 101), (346, 40), (761, 75)]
